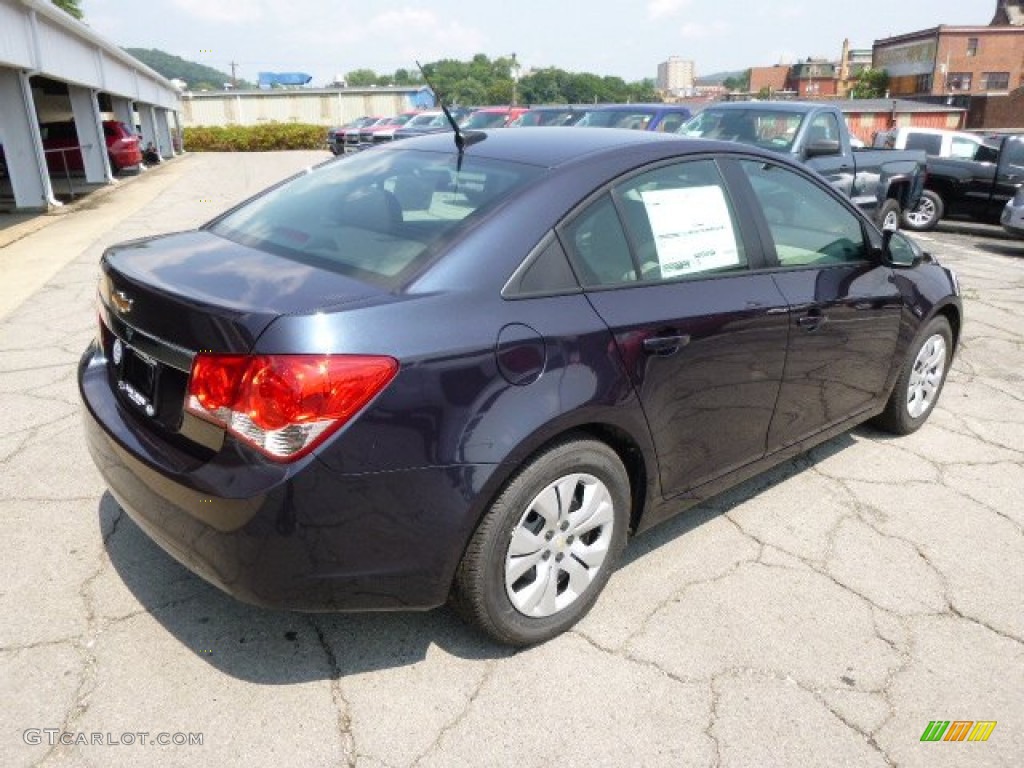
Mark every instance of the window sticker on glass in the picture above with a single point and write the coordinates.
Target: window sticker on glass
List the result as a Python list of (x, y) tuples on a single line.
[(692, 230)]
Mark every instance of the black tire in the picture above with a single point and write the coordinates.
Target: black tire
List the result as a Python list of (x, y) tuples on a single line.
[(114, 168), (903, 414), (889, 210), (555, 546), (926, 214)]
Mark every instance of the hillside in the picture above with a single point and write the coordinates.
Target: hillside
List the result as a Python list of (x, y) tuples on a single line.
[(170, 66), (720, 77)]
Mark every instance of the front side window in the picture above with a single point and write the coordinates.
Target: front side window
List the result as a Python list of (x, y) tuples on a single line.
[(824, 127), (375, 216), (808, 226)]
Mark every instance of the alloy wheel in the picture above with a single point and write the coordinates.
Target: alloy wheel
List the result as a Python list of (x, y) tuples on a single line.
[(559, 545), (926, 376)]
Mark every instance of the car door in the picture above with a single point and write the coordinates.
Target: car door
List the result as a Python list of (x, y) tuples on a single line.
[(844, 308), (670, 268), (1010, 175)]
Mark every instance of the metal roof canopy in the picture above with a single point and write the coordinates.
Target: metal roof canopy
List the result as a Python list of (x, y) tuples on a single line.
[(41, 39)]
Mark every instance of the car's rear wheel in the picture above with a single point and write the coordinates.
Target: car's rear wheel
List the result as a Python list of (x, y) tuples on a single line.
[(547, 546), (920, 382), (888, 216), (926, 214)]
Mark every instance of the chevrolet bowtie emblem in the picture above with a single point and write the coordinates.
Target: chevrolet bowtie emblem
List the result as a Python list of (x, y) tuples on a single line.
[(121, 301)]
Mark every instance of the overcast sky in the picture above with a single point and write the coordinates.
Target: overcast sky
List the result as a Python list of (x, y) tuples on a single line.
[(608, 37)]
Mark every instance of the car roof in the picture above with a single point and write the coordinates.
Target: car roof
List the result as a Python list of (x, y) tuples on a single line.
[(635, 107), (776, 106), (550, 147)]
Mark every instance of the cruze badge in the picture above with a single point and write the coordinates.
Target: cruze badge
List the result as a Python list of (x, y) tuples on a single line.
[(122, 302)]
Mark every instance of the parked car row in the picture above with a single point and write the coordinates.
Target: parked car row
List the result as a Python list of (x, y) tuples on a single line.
[(370, 131), (64, 154)]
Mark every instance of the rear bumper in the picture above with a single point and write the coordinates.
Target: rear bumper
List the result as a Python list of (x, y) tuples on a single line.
[(300, 537)]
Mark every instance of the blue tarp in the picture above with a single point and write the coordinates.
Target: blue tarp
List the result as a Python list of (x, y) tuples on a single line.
[(270, 79), (422, 99)]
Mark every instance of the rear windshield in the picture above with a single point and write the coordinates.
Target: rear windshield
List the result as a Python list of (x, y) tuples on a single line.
[(377, 216)]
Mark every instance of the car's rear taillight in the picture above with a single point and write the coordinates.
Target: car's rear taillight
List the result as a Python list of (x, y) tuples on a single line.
[(284, 405)]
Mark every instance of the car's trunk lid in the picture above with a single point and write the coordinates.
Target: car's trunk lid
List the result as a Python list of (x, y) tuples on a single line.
[(163, 300)]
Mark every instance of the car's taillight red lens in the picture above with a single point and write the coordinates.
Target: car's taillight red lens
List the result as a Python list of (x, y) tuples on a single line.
[(215, 380), (285, 405)]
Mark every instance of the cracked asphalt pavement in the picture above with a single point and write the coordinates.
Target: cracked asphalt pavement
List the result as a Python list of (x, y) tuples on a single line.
[(821, 614)]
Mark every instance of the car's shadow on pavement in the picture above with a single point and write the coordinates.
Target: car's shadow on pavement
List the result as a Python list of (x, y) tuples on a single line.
[(1009, 248), (267, 646), (281, 647)]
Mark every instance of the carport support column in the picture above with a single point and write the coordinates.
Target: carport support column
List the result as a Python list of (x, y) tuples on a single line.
[(89, 126), (164, 142), (123, 112), (147, 117), (23, 147), (179, 132)]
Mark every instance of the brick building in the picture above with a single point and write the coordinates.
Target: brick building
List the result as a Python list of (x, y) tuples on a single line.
[(952, 61), (773, 78), (813, 79)]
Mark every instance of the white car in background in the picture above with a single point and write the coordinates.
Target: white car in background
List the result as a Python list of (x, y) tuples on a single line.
[(936, 141), (1013, 214)]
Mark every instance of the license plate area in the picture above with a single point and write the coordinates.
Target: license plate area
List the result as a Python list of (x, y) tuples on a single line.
[(137, 376)]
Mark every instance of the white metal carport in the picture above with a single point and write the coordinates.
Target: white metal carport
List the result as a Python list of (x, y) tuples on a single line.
[(40, 43)]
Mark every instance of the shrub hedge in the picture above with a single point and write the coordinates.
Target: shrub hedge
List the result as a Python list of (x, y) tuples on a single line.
[(255, 138)]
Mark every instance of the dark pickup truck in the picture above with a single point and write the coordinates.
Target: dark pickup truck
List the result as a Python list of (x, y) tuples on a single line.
[(976, 189), (882, 182)]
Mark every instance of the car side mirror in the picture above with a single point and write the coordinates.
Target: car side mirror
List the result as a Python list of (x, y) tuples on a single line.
[(822, 148), (899, 251)]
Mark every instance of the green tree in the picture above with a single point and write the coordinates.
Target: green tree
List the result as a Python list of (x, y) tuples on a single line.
[(361, 78), (70, 7), (871, 84), (738, 82)]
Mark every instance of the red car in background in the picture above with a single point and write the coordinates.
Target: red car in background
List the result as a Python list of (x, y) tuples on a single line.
[(60, 142), (491, 117)]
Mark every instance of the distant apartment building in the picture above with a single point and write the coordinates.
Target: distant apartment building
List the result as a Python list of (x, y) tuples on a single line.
[(951, 61), (676, 76)]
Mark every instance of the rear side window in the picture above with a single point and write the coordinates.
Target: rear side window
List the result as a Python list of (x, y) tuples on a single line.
[(377, 216), (674, 222), (930, 143), (808, 226)]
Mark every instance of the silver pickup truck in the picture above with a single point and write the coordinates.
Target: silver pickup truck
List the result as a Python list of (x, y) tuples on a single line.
[(882, 182)]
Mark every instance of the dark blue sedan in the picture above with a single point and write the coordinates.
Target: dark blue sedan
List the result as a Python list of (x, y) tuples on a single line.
[(427, 373)]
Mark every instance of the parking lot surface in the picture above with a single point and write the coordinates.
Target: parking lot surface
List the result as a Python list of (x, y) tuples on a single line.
[(822, 614)]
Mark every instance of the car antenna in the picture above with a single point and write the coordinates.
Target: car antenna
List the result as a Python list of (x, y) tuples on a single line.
[(462, 140)]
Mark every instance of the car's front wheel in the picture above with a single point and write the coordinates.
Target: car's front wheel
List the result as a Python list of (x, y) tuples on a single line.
[(548, 544), (926, 215), (888, 216), (920, 382)]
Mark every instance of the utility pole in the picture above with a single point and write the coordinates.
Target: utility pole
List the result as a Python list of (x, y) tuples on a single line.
[(234, 80)]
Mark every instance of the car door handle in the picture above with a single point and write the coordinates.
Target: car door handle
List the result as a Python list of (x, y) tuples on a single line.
[(663, 346), (812, 322)]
